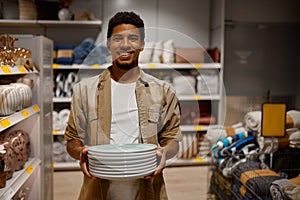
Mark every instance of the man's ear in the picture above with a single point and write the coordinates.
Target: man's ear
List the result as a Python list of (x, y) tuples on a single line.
[(142, 46)]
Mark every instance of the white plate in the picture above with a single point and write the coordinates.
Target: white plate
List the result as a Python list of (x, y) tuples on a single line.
[(121, 168), (121, 162), (117, 148), (115, 171), (124, 176), (120, 157), (121, 154), (133, 165)]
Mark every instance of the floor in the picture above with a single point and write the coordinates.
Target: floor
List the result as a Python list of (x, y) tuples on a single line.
[(188, 183)]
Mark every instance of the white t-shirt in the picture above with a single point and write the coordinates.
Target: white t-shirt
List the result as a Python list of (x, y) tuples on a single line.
[(125, 120), (124, 130)]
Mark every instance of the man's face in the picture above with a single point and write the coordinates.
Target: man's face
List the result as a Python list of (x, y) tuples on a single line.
[(125, 45)]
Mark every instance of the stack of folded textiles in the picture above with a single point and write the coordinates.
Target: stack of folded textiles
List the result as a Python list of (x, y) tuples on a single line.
[(63, 54)]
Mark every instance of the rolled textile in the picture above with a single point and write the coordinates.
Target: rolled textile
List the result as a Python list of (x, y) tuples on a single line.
[(295, 116), (215, 133), (295, 180), (284, 189), (294, 138), (256, 181), (253, 120)]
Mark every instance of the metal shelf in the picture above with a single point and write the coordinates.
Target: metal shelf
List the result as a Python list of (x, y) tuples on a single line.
[(50, 23), (18, 179), (9, 121)]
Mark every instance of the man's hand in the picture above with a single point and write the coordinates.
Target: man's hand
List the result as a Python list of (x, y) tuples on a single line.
[(163, 154)]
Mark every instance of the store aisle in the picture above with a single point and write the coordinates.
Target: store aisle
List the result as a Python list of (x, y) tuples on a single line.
[(188, 183)]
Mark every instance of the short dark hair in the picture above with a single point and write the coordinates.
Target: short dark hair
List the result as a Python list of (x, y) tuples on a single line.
[(126, 18)]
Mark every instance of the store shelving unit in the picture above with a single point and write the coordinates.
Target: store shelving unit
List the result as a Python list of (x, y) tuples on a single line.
[(35, 179)]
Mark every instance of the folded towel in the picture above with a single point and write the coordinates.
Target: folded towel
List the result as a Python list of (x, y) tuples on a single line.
[(82, 50), (97, 56), (184, 85)]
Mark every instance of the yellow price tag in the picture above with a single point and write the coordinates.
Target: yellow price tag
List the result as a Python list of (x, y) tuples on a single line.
[(96, 66), (6, 69), (29, 169), (197, 97), (22, 69), (36, 108), (53, 165), (5, 123), (152, 66), (198, 128), (25, 113), (55, 132), (55, 66), (198, 65), (198, 159)]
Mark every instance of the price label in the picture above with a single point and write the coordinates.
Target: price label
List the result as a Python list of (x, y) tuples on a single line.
[(197, 97), (96, 66), (22, 69), (5, 123), (55, 66), (6, 69), (29, 169), (25, 113), (36, 108), (198, 65), (198, 159), (55, 132), (151, 66), (198, 128)]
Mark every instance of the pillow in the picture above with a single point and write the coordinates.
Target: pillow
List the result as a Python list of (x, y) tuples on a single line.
[(157, 52), (168, 51), (146, 54), (189, 55)]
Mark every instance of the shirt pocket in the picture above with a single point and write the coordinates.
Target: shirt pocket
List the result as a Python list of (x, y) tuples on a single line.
[(153, 114)]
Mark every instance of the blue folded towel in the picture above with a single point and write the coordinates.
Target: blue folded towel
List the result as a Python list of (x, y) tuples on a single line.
[(82, 50), (97, 56)]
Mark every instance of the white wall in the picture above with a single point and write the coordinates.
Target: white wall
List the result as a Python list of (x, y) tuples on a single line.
[(187, 22), (271, 31)]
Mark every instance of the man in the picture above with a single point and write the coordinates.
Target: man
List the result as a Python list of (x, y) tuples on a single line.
[(123, 105)]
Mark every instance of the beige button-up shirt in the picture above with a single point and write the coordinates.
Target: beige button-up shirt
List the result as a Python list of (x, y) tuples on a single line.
[(90, 122)]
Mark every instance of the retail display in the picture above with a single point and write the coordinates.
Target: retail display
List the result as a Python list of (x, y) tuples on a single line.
[(21, 119), (248, 165)]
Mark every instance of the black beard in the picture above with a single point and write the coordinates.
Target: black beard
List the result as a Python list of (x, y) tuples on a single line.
[(125, 66)]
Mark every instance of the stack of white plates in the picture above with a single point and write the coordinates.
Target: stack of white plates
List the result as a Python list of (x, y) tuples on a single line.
[(122, 161)]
